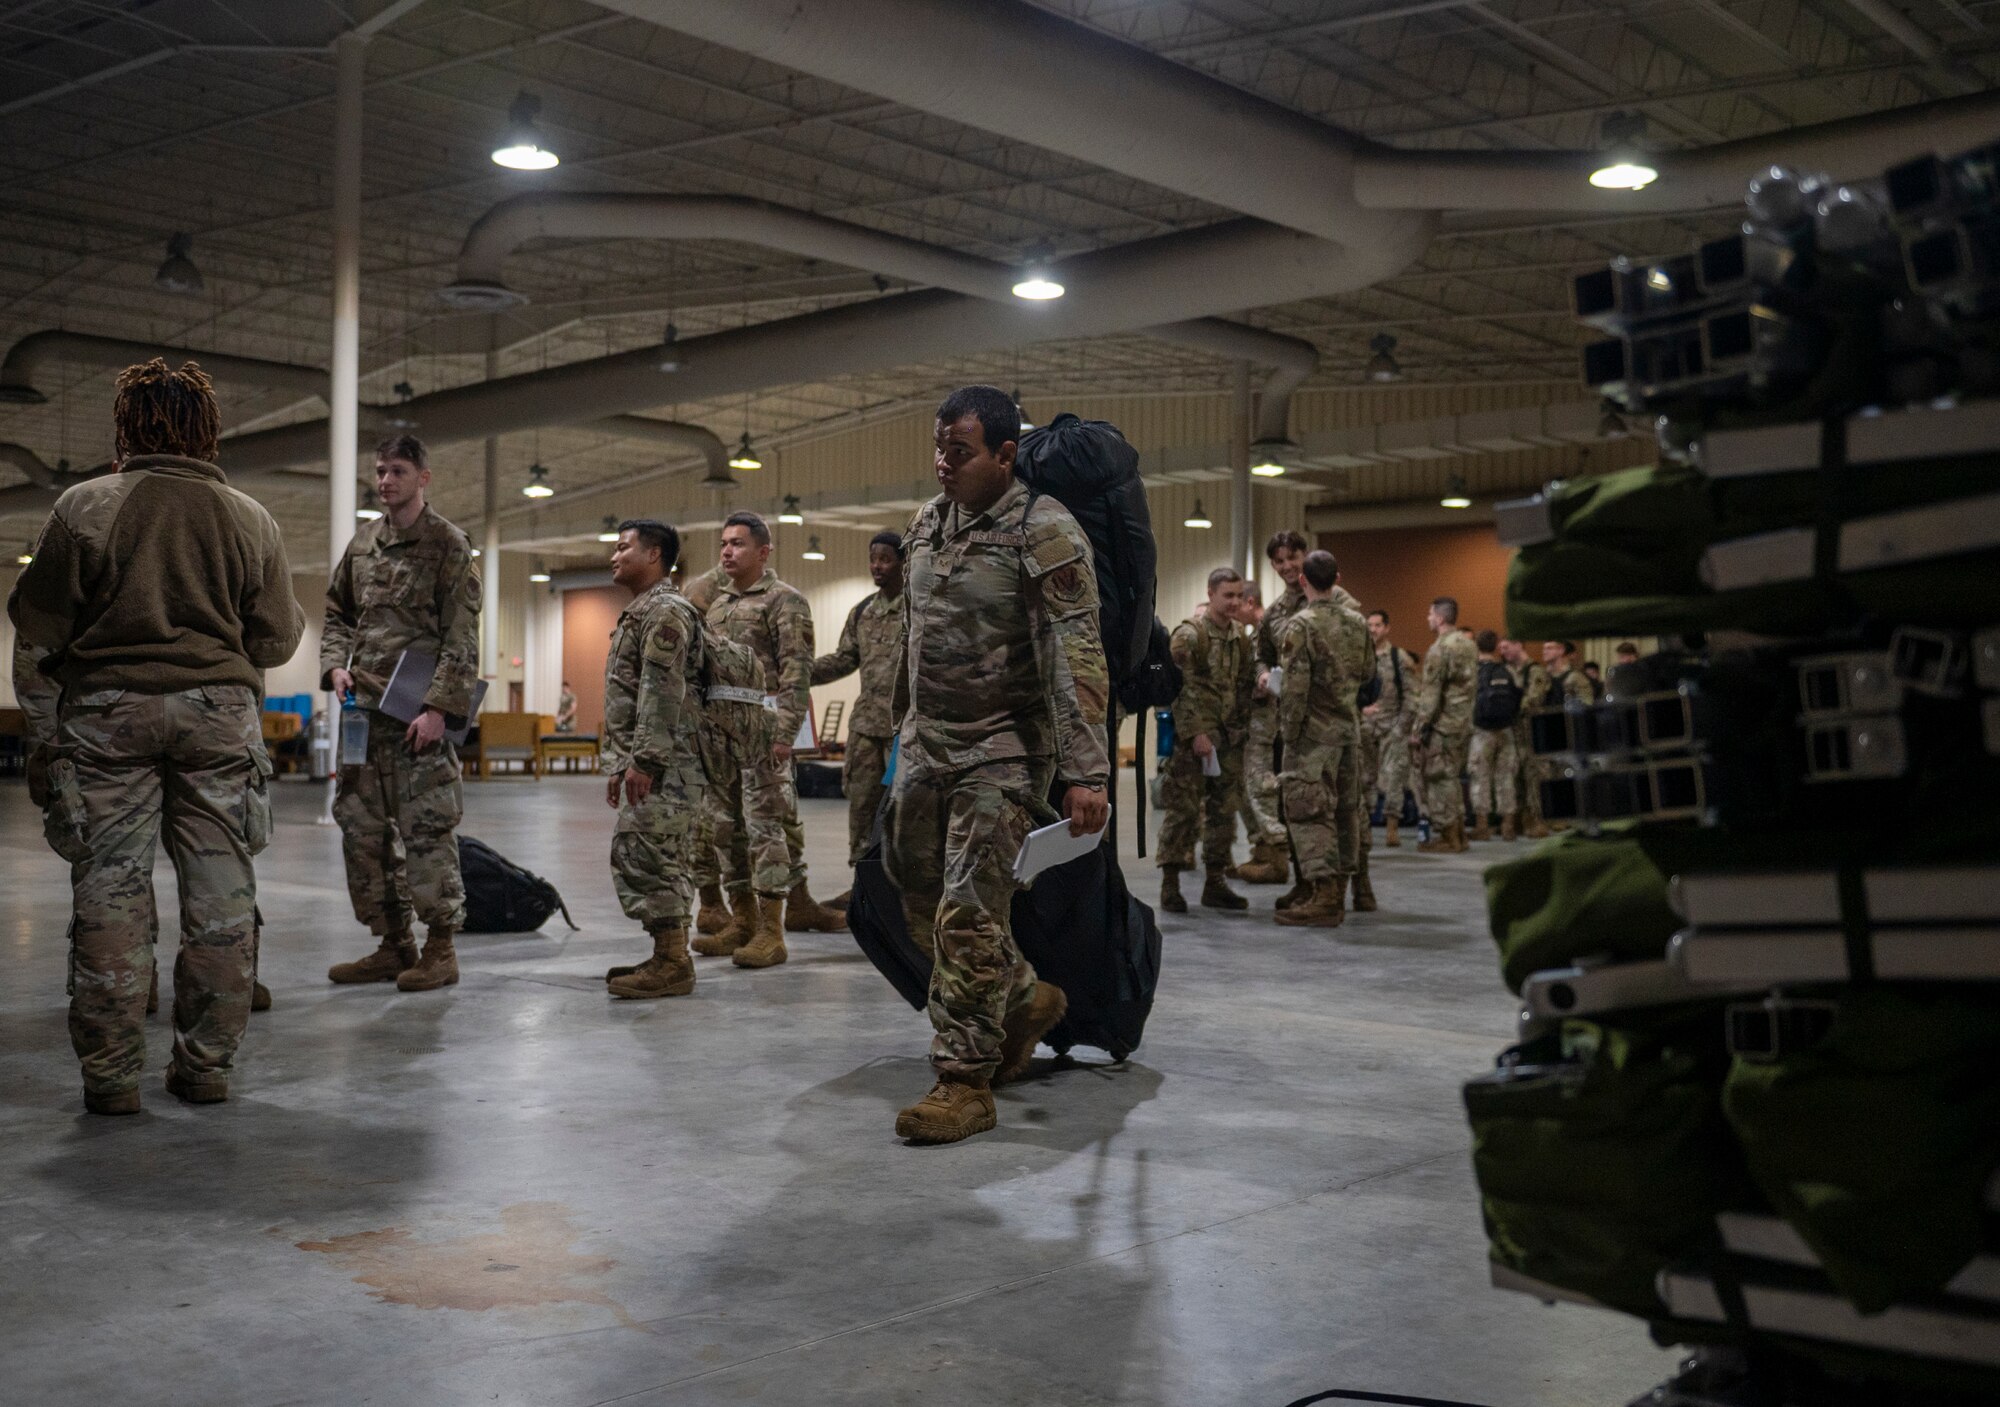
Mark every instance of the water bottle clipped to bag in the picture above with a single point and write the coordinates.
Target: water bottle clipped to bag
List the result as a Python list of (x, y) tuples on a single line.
[(353, 733)]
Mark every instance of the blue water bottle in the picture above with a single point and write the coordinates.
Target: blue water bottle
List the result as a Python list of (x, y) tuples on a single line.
[(1423, 830)]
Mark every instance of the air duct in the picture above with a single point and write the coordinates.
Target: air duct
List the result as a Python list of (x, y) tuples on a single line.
[(1173, 279), (25, 358), (480, 281)]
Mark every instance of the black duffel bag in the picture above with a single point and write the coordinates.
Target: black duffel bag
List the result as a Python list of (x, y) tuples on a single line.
[(500, 896), (1080, 927)]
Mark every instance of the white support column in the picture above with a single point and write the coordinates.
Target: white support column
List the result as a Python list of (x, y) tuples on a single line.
[(489, 560), (1239, 472), (350, 54)]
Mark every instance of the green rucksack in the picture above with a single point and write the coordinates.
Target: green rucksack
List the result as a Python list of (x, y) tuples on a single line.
[(1878, 1141), (1602, 1155)]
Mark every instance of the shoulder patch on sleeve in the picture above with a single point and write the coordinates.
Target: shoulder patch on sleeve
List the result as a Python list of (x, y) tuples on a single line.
[(1050, 547)]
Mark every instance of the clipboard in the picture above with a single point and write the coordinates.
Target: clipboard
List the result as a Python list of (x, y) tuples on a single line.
[(410, 681)]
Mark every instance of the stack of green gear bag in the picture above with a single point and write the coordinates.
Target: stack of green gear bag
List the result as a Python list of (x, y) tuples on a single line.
[(1757, 1099)]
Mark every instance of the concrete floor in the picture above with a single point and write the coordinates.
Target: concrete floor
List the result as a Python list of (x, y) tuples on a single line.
[(518, 1191)]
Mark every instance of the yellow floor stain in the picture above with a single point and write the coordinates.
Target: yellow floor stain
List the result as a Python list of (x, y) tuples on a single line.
[(526, 1264)]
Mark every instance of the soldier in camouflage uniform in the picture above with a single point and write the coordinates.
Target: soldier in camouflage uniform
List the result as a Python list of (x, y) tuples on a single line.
[(1562, 682), (1443, 726), (157, 598), (406, 582), (651, 753), (1385, 728), (1006, 691), (1529, 769), (872, 642), (1210, 714), (713, 915), (1492, 759), (1326, 655), (750, 811), (1270, 849)]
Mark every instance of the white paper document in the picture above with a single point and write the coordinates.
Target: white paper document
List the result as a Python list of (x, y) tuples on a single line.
[(1211, 765), (1276, 681), (1053, 845)]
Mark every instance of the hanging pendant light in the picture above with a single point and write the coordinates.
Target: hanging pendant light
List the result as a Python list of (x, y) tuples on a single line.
[(1198, 518), (1625, 165), (177, 273), (369, 509), (745, 456), (610, 533), (538, 485), (1383, 366), (1267, 458), (1455, 494), (540, 573), (26, 556), (812, 552), (790, 512), (521, 147)]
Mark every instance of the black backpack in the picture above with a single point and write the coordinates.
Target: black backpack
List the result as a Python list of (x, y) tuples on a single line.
[(1498, 702), (1157, 681), (500, 896), (1087, 467)]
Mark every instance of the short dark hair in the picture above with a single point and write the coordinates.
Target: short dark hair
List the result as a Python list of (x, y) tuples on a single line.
[(1321, 570), (1283, 539), (1590, 665), (1487, 641), (1251, 590), (1222, 576), (999, 418), (890, 539), (1626, 647), (404, 447), (1378, 611), (652, 532), (760, 531), (1447, 608), (1569, 646)]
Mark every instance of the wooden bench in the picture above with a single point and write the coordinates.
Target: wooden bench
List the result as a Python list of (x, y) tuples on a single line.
[(504, 738), (569, 749)]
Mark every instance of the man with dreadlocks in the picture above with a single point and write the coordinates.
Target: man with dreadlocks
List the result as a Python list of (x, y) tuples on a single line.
[(157, 597), (406, 582)]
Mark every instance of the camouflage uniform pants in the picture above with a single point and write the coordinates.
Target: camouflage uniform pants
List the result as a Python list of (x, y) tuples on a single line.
[(652, 852), (952, 842), (861, 778), (128, 767), (748, 806), (398, 816), (1260, 776), (1528, 773), (1191, 802), (1444, 764), (1493, 762), (1325, 835), (1386, 743)]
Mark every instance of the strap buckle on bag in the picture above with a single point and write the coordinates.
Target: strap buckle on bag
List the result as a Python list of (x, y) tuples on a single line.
[(1767, 1031), (1651, 789), (1659, 720), (1867, 748), (1934, 662), (1858, 682)]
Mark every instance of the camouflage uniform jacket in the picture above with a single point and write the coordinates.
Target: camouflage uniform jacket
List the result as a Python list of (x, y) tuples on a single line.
[(1004, 656), (872, 642), (652, 687), (774, 622), (702, 590), (1276, 616), (404, 588), (1399, 701), (1218, 674), (1326, 656), (1534, 682), (1575, 686), (1451, 674)]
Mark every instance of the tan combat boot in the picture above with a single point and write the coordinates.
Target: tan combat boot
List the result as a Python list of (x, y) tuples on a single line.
[(1534, 829), (397, 952), (766, 947), (1269, 864), (1171, 901), (1439, 843), (1364, 893), (1024, 1028), (1393, 828), (1216, 893), (1457, 838), (438, 967), (1482, 829), (734, 934), (212, 1091), (1508, 830), (669, 972), (954, 1109), (260, 996), (841, 901), (713, 915), (1325, 907), (111, 1101), (1300, 891), (805, 914)]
